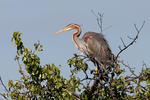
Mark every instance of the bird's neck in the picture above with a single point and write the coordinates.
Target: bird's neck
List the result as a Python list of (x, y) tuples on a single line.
[(75, 35)]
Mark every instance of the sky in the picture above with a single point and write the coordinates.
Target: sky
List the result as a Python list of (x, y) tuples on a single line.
[(39, 19)]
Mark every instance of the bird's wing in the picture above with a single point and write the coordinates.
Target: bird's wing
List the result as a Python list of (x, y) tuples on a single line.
[(96, 49), (93, 46)]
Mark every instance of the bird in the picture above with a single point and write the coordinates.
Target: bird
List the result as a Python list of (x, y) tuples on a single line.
[(92, 44)]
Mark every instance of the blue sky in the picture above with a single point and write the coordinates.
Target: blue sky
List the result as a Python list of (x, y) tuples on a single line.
[(39, 19)]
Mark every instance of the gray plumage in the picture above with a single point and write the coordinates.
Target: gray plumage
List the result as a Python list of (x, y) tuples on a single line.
[(98, 47)]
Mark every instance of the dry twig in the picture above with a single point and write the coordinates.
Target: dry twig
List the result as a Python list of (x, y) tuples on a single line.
[(2, 83), (133, 39)]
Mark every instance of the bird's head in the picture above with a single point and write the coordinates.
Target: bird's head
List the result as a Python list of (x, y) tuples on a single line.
[(67, 28)]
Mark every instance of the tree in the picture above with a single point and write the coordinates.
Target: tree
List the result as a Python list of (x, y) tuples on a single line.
[(45, 82)]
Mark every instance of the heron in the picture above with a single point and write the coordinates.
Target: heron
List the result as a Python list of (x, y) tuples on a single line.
[(92, 44)]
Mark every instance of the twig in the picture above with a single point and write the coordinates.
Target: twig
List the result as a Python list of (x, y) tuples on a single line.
[(94, 13), (99, 19), (131, 69), (3, 96), (130, 38), (134, 78), (87, 79), (20, 68), (3, 84), (144, 64), (4, 88), (134, 39), (123, 42)]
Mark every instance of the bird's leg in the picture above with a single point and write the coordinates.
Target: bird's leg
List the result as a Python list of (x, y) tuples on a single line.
[(96, 70), (95, 67)]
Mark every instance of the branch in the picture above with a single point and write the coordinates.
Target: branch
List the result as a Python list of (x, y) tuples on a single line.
[(139, 77), (3, 84), (20, 67), (122, 42), (99, 19), (134, 78), (130, 69), (133, 40), (3, 96), (87, 78)]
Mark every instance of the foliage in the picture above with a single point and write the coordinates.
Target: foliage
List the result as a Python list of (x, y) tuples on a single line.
[(38, 82), (46, 82)]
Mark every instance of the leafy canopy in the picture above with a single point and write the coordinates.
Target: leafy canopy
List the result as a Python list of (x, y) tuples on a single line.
[(46, 82)]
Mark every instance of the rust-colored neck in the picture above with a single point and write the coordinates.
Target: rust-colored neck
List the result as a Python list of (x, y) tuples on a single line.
[(77, 34)]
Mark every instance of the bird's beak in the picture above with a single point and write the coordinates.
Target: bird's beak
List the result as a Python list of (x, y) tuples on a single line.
[(63, 30)]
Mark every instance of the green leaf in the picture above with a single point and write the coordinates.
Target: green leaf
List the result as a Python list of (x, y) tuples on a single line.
[(10, 83), (137, 88), (122, 78)]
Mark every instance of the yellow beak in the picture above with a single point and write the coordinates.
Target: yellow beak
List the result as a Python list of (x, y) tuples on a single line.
[(63, 30)]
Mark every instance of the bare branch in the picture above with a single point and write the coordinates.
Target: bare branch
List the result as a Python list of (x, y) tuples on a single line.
[(99, 19), (94, 13), (134, 39), (128, 66), (144, 64), (130, 38), (87, 78), (136, 77), (123, 42), (138, 30), (3, 84)]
